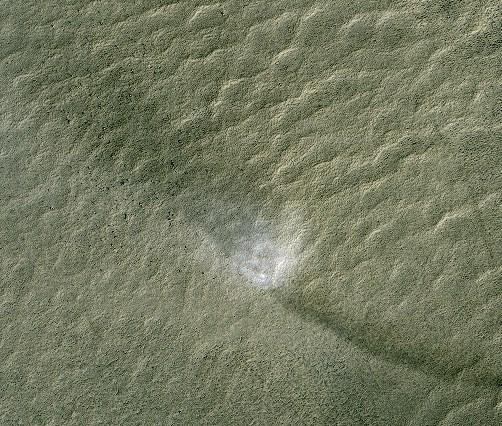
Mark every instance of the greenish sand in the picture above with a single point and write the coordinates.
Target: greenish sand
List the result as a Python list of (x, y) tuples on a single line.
[(251, 213)]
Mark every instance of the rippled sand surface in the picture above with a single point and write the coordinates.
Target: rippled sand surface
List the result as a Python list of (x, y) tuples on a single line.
[(251, 213)]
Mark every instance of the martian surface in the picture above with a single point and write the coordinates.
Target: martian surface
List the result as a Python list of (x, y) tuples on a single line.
[(234, 212)]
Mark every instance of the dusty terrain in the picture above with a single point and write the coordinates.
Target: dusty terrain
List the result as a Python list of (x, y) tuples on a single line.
[(251, 213)]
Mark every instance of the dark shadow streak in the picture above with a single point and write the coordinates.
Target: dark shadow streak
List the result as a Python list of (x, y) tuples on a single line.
[(424, 364)]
